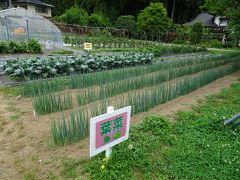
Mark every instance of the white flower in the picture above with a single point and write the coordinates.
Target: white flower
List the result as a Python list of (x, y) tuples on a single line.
[(130, 146)]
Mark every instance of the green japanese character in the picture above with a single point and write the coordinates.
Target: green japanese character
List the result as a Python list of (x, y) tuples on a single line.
[(118, 123), (105, 127)]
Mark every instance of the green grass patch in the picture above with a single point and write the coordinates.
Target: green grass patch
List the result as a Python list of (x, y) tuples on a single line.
[(62, 52), (196, 146), (9, 91)]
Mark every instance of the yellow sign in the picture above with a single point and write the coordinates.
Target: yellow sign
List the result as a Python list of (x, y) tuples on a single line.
[(19, 30), (87, 46)]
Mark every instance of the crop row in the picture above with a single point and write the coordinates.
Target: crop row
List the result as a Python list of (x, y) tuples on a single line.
[(140, 102), (86, 80), (36, 67), (106, 42), (147, 46), (111, 89), (49, 103), (161, 50)]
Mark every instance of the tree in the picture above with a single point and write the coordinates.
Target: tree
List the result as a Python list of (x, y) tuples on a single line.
[(75, 15), (98, 20), (153, 18), (196, 33), (126, 22)]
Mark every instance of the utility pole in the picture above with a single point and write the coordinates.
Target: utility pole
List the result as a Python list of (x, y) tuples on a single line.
[(9, 3)]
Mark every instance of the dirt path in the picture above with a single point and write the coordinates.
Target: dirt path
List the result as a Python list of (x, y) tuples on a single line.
[(25, 147)]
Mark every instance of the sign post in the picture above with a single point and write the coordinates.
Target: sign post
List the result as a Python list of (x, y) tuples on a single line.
[(88, 46), (109, 150), (108, 130)]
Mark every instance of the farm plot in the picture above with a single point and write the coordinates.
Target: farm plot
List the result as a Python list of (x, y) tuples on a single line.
[(85, 96)]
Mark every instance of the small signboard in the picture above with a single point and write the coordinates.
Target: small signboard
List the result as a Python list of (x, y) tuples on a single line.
[(88, 46), (109, 130)]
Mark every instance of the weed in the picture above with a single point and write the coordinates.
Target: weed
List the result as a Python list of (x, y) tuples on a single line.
[(196, 146)]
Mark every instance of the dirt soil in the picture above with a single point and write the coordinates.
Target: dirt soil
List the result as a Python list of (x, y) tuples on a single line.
[(25, 146)]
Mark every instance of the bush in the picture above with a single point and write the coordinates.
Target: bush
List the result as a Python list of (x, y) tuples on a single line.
[(31, 46), (3, 47), (75, 15), (182, 32), (196, 33), (98, 20), (213, 44), (153, 18), (126, 22), (34, 46)]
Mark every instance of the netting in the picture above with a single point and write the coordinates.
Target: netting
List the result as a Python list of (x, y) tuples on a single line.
[(20, 24)]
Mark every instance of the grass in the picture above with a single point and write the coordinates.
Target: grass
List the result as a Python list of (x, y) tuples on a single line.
[(9, 91), (196, 146), (62, 51)]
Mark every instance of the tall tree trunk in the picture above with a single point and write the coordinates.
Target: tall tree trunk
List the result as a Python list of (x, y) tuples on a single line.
[(180, 14), (10, 3), (173, 9)]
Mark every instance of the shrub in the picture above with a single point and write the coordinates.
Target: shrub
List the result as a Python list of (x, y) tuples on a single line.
[(196, 33), (126, 22), (75, 15), (182, 32), (31, 46), (3, 47), (153, 18), (98, 20), (216, 44)]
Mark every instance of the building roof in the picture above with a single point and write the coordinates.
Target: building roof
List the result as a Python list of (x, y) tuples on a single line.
[(37, 2), (205, 18)]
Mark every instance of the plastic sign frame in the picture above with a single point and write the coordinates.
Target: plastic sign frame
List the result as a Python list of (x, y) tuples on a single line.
[(87, 46), (124, 114)]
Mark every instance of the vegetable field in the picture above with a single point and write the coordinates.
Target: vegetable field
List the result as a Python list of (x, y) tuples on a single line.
[(41, 68), (80, 97), (43, 122)]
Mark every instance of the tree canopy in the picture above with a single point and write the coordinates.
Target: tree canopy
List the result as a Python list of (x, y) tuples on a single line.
[(153, 18), (184, 10)]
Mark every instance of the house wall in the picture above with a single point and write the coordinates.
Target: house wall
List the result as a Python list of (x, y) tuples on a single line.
[(32, 7)]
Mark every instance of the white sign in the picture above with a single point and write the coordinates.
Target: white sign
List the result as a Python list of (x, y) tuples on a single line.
[(87, 46), (109, 130)]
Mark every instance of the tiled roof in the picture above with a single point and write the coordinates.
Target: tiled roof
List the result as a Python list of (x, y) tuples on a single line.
[(37, 2), (205, 18)]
